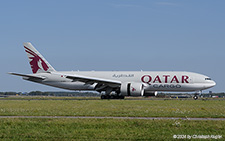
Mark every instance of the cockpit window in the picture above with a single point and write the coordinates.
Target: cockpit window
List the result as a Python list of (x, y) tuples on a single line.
[(208, 79)]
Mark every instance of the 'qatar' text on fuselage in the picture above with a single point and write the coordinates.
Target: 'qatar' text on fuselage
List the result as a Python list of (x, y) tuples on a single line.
[(164, 79)]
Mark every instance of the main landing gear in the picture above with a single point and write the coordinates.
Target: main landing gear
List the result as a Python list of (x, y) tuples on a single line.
[(112, 97), (108, 94)]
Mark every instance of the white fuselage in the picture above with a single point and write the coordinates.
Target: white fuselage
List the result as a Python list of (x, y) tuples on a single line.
[(152, 80)]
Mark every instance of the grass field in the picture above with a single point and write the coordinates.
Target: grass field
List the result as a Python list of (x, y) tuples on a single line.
[(127, 108), (105, 129), (109, 129)]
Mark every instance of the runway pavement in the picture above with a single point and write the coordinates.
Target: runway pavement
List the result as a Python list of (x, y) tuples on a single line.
[(94, 117)]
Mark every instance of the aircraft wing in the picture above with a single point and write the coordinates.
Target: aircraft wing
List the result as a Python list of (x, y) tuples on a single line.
[(92, 80), (28, 76)]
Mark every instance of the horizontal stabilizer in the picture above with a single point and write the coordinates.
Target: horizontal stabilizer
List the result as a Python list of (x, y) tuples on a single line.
[(28, 76)]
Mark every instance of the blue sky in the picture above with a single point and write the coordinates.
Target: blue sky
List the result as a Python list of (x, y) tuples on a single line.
[(163, 35)]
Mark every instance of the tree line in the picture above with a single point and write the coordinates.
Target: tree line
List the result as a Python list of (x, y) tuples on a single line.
[(40, 93)]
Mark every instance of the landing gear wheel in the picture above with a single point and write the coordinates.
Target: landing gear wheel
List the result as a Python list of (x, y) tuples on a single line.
[(111, 97), (106, 97), (195, 97), (102, 96), (121, 97)]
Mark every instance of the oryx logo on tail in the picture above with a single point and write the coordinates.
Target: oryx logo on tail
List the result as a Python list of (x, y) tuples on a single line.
[(36, 61)]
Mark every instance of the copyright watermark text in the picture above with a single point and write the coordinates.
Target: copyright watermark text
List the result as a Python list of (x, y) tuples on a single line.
[(197, 136)]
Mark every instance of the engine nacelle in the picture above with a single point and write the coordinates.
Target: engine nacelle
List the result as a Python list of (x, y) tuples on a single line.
[(132, 89)]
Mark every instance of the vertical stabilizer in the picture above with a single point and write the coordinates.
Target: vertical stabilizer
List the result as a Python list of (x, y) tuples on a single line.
[(37, 61)]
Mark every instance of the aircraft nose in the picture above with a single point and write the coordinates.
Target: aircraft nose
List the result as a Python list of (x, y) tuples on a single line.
[(210, 84), (213, 83)]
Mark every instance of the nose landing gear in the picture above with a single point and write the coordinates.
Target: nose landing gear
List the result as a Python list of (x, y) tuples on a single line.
[(195, 97)]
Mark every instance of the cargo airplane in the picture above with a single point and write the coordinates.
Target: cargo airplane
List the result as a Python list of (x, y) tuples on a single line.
[(114, 84)]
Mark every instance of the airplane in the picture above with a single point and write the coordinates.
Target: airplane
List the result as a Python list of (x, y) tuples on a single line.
[(114, 84)]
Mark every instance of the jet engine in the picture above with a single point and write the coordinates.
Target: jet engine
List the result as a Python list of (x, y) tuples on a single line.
[(132, 89)]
